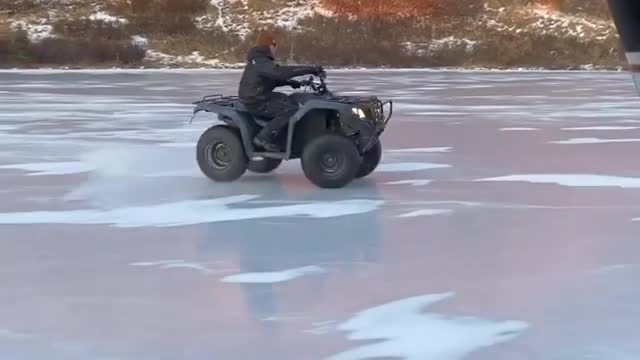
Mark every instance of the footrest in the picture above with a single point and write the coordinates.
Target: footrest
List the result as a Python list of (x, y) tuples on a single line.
[(273, 155)]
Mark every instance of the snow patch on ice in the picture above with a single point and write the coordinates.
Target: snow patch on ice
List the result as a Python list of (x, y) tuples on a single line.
[(603, 128), (613, 268), (414, 182), (578, 141), (176, 264), (12, 335), (51, 168), (402, 167), (572, 180), (425, 212), (400, 330), (273, 277), (184, 213)]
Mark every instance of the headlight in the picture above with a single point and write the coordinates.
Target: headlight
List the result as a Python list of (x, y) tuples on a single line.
[(358, 112)]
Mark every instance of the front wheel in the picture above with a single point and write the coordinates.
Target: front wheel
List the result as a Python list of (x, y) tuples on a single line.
[(330, 161), (220, 154), (370, 160)]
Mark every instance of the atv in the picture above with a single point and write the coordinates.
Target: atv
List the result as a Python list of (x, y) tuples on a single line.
[(337, 138)]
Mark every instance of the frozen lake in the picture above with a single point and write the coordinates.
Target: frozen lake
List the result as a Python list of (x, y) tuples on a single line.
[(502, 224)]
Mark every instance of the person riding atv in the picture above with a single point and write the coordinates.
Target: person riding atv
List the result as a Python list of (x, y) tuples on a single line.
[(261, 76)]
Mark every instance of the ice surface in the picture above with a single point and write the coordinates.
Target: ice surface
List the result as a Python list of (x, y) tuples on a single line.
[(51, 168), (130, 124), (187, 212), (577, 141), (402, 167), (402, 331), (422, 150), (572, 180), (518, 129), (274, 276)]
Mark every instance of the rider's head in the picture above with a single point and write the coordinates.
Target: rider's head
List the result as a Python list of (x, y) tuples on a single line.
[(266, 39)]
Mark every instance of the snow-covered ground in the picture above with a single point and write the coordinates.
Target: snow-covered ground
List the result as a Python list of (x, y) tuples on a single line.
[(492, 227)]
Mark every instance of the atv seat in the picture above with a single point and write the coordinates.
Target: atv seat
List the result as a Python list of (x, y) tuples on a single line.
[(259, 120)]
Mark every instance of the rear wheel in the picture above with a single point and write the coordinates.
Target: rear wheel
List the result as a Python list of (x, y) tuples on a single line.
[(370, 160), (220, 154), (330, 161), (264, 165)]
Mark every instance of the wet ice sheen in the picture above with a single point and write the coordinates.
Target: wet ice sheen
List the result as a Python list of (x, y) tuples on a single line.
[(274, 276), (191, 212), (572, 180), (400, 330)]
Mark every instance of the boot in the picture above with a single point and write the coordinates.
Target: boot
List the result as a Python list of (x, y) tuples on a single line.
[(265, 140)]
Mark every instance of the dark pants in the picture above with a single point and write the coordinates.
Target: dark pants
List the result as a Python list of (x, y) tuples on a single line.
[(279, 108)]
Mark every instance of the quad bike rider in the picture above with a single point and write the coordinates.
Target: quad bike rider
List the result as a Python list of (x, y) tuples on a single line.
[(261, 76)]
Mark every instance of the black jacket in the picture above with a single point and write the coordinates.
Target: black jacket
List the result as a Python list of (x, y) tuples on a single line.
[(262, 75)]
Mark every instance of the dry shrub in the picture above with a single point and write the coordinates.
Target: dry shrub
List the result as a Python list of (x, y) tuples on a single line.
[(598, 8), (85, 51), (170, 17), (13, 7), (267, 5), (210, 43), (94, 29), (341, 41), (162, 8), (149, 24)]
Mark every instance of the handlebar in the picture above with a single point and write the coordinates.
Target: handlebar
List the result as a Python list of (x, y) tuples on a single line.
[(318, 88)]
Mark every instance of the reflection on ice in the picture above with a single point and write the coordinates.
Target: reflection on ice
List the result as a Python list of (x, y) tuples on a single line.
[(402, 331)]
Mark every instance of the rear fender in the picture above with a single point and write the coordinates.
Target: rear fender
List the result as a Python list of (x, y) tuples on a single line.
[(234, 119)]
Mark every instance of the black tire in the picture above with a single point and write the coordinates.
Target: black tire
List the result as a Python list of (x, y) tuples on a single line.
[(264, 165), (370, 160), (220, 154), (330, 161)]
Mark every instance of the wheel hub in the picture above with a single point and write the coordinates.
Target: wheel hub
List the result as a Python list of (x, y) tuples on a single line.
[(332, 162), (219, 156)]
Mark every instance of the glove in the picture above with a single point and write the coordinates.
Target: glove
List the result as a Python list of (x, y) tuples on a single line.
[(294, 84)]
